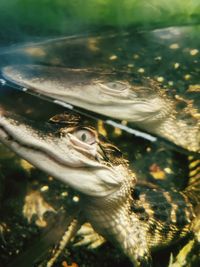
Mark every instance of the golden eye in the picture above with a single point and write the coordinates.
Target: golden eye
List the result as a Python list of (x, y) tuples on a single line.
[(86, 136)]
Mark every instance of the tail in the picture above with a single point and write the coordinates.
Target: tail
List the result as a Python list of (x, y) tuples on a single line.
[(193, 188)]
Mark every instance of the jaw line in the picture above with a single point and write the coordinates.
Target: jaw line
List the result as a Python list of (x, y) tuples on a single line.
[(29, 138), (93, 179), (63, 94)]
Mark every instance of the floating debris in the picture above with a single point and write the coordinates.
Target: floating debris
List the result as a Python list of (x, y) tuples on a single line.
[(157, 172), (113, 57), (171, 83), (117, 131), (64, 194), (187, 77), (174, 46), (168, 170), (176, 65), (130, 65), (136, 56), (75, 199), (65, 264), (160, 79), (194, 52), (44, 188), (141, 70), (159, 58), (26, 165)]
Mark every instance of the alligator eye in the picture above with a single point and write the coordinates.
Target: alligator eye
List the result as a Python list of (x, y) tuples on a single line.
[(114, 87), (86, 136)]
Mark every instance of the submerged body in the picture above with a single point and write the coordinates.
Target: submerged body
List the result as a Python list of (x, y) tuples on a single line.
[(116, 95), (137, 220)]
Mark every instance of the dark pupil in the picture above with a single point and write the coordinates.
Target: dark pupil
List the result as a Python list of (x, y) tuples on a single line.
[(83, 137), (116, 86), (113, 85)]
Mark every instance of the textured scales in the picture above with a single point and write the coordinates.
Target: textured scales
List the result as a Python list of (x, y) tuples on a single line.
[(118, 95), (135, 219)]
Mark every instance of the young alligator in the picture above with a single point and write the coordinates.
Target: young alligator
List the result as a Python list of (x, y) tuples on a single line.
[(117, 95), (135, 221)]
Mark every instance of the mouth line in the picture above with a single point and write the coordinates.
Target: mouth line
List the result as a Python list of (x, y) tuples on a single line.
[(50, 156)]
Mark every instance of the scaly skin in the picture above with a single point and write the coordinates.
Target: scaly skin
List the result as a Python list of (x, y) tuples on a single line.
[(137, 220), (116, 95)]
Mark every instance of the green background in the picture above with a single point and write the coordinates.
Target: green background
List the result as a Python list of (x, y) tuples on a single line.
[(25, 19)]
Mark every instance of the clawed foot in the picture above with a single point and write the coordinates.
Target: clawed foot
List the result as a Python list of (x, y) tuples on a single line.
[(89, 237), (36, 206)]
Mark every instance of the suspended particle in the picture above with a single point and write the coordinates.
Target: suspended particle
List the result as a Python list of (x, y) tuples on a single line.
[(50, 178), (187, 77), (159, 58), (44, 188), (117, 131), (141, 70), (113, 57), (174, 46), (160, 79), (194, 52), (171, 83), (176, 65), (64, 194), (75, 199), (136, 56), (168, 170), (148, 149), (130, 65)]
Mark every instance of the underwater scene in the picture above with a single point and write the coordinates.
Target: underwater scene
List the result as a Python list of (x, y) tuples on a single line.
[(100, 134)]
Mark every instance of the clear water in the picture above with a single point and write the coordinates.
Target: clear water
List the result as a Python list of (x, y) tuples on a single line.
[(169, 55)]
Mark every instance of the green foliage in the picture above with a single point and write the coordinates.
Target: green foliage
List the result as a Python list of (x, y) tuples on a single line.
[(26, 18)]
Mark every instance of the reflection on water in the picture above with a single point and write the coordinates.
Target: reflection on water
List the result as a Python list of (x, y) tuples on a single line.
[(170, 56)]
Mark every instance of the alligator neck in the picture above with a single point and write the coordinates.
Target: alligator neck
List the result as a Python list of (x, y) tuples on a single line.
[(183, 133), (112, 218), (180, 132)]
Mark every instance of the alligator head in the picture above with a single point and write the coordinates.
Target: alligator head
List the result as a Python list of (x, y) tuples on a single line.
[(72, 153), (116, 95), (78, 156)]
